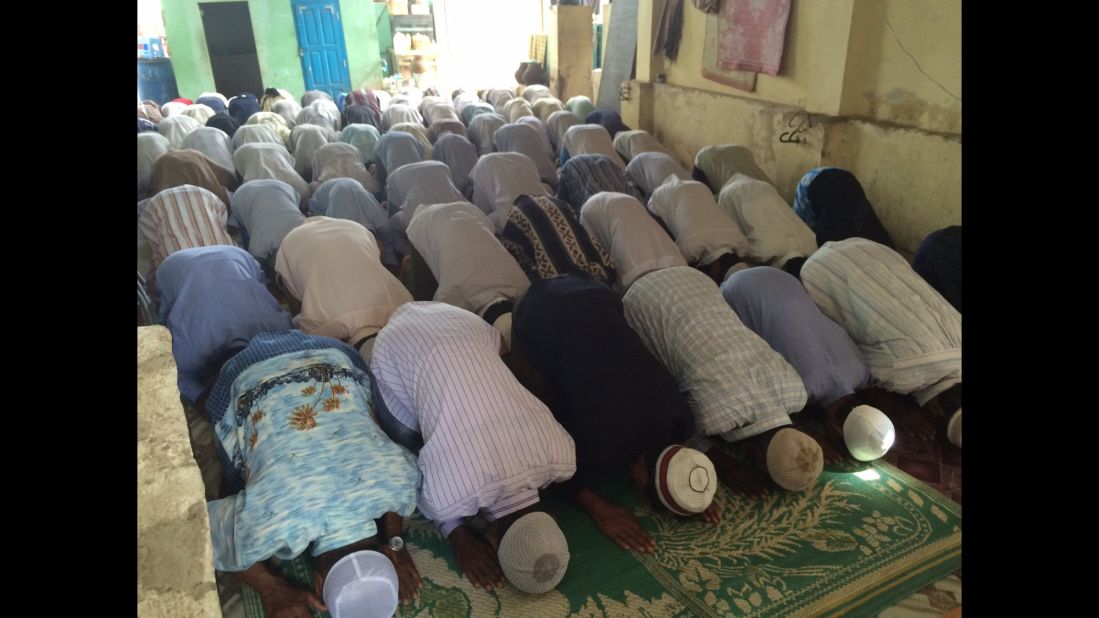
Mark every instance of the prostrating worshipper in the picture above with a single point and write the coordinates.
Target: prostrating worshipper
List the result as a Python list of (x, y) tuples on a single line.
[(488, 447), (527, 140), (191, 167), (556, 126), (629, 144), (436, 112), (145, 125), (608, 119), (393, 150), (267, 210), (482, 128), (361, 114), (384, 99), (292, 415), (580, 106), (636, 243), (288, 109), (397, 113), (213, 300), (516, 109), (648, 170), (939, 261), (908, 333), (475, 272), (270, 97), (336, 284), (242, 106), (171, 108), (345, 198), (459, 155), (183, 217), (832, 203), (585, 175), (305, 140), (150, 147), (463, 99), (321, 112), (149, 110), (199, 112), (547, 241), (571, 329), (584, 139), (277, 123), (706, 236), (738, 387), (776, 236), (340, 160), (500, 177), (215, 144), (440, 128), (214, 100), (498, 98), (314, 95), (416, 130), (535, 92), (776, 307), (256, 134), (257, 161), (175, 128), (540, 128), (225, 122), (544, 107), (416, 184), (716, 165), (469, 112), (364, 137)]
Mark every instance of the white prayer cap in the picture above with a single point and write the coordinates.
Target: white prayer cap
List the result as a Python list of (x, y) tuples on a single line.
[(362, 584), (954, 429), (685, 480), (503, 324), (534, 553), (868, 433), (172, 107), (794, 460)]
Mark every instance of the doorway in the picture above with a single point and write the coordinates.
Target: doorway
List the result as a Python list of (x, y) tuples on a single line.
[(232, 47)]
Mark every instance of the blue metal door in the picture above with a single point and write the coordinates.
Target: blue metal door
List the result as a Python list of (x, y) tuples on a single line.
[(321, 46)]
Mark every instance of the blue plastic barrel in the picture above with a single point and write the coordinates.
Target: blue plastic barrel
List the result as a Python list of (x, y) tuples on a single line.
[(155, 80)]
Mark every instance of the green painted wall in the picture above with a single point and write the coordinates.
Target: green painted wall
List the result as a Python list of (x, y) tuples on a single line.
[(276, 45), (360, 35), (385, 33)]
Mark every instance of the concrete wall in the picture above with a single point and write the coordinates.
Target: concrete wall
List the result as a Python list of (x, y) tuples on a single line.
[(571, 46), (175, 561), (276, 45), (847, 79)]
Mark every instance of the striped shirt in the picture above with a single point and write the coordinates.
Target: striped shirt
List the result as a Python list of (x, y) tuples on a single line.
[(183, 217), (489, 444), (635, 241), (736, 384), (911, 337), (473, 269), (702, 231)]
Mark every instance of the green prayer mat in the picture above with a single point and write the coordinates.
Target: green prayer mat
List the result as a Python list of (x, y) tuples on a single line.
[(852, 546)]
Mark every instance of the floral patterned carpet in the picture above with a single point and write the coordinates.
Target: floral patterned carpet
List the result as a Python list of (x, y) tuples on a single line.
[(864, 539)]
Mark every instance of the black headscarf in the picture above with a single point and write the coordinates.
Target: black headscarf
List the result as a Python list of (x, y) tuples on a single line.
[(225, 122), (609, 120), (832, 203), (243, 106), (939, 262)]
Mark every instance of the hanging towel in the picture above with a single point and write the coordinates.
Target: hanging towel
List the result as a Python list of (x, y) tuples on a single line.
[(752, 35)]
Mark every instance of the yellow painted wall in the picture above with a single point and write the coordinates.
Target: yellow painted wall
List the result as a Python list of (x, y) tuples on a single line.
[(907, 68), (873, 112)]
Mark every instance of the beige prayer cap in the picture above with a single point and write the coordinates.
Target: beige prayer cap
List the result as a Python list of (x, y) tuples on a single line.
[(534, 553), (503, 324), (954, 429), (794, 460)]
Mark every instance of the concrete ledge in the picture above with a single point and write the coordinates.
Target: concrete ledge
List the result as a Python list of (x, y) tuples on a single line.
[(175, 560)]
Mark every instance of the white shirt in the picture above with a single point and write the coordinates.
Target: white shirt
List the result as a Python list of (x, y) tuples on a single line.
[(702, 231), (635, 242), (416, 184), (591, 139), (775, 232), (500, 177), (629, 144), (488, 442)]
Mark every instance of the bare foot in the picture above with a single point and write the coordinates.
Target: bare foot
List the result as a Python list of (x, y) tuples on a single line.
[(737, 476), (711, 515), (615, 522), (476, 559), (910, 421), (408, 577)]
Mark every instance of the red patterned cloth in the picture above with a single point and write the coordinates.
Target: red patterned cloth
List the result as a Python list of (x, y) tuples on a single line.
[(752, 35)]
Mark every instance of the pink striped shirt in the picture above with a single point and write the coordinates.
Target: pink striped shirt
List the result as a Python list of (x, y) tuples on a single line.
[(183, 217)]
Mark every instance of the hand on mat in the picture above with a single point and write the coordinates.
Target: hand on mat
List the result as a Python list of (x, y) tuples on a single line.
[(621, 526), (408, 577), (711, 515), (290, 602), (477, 559)]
